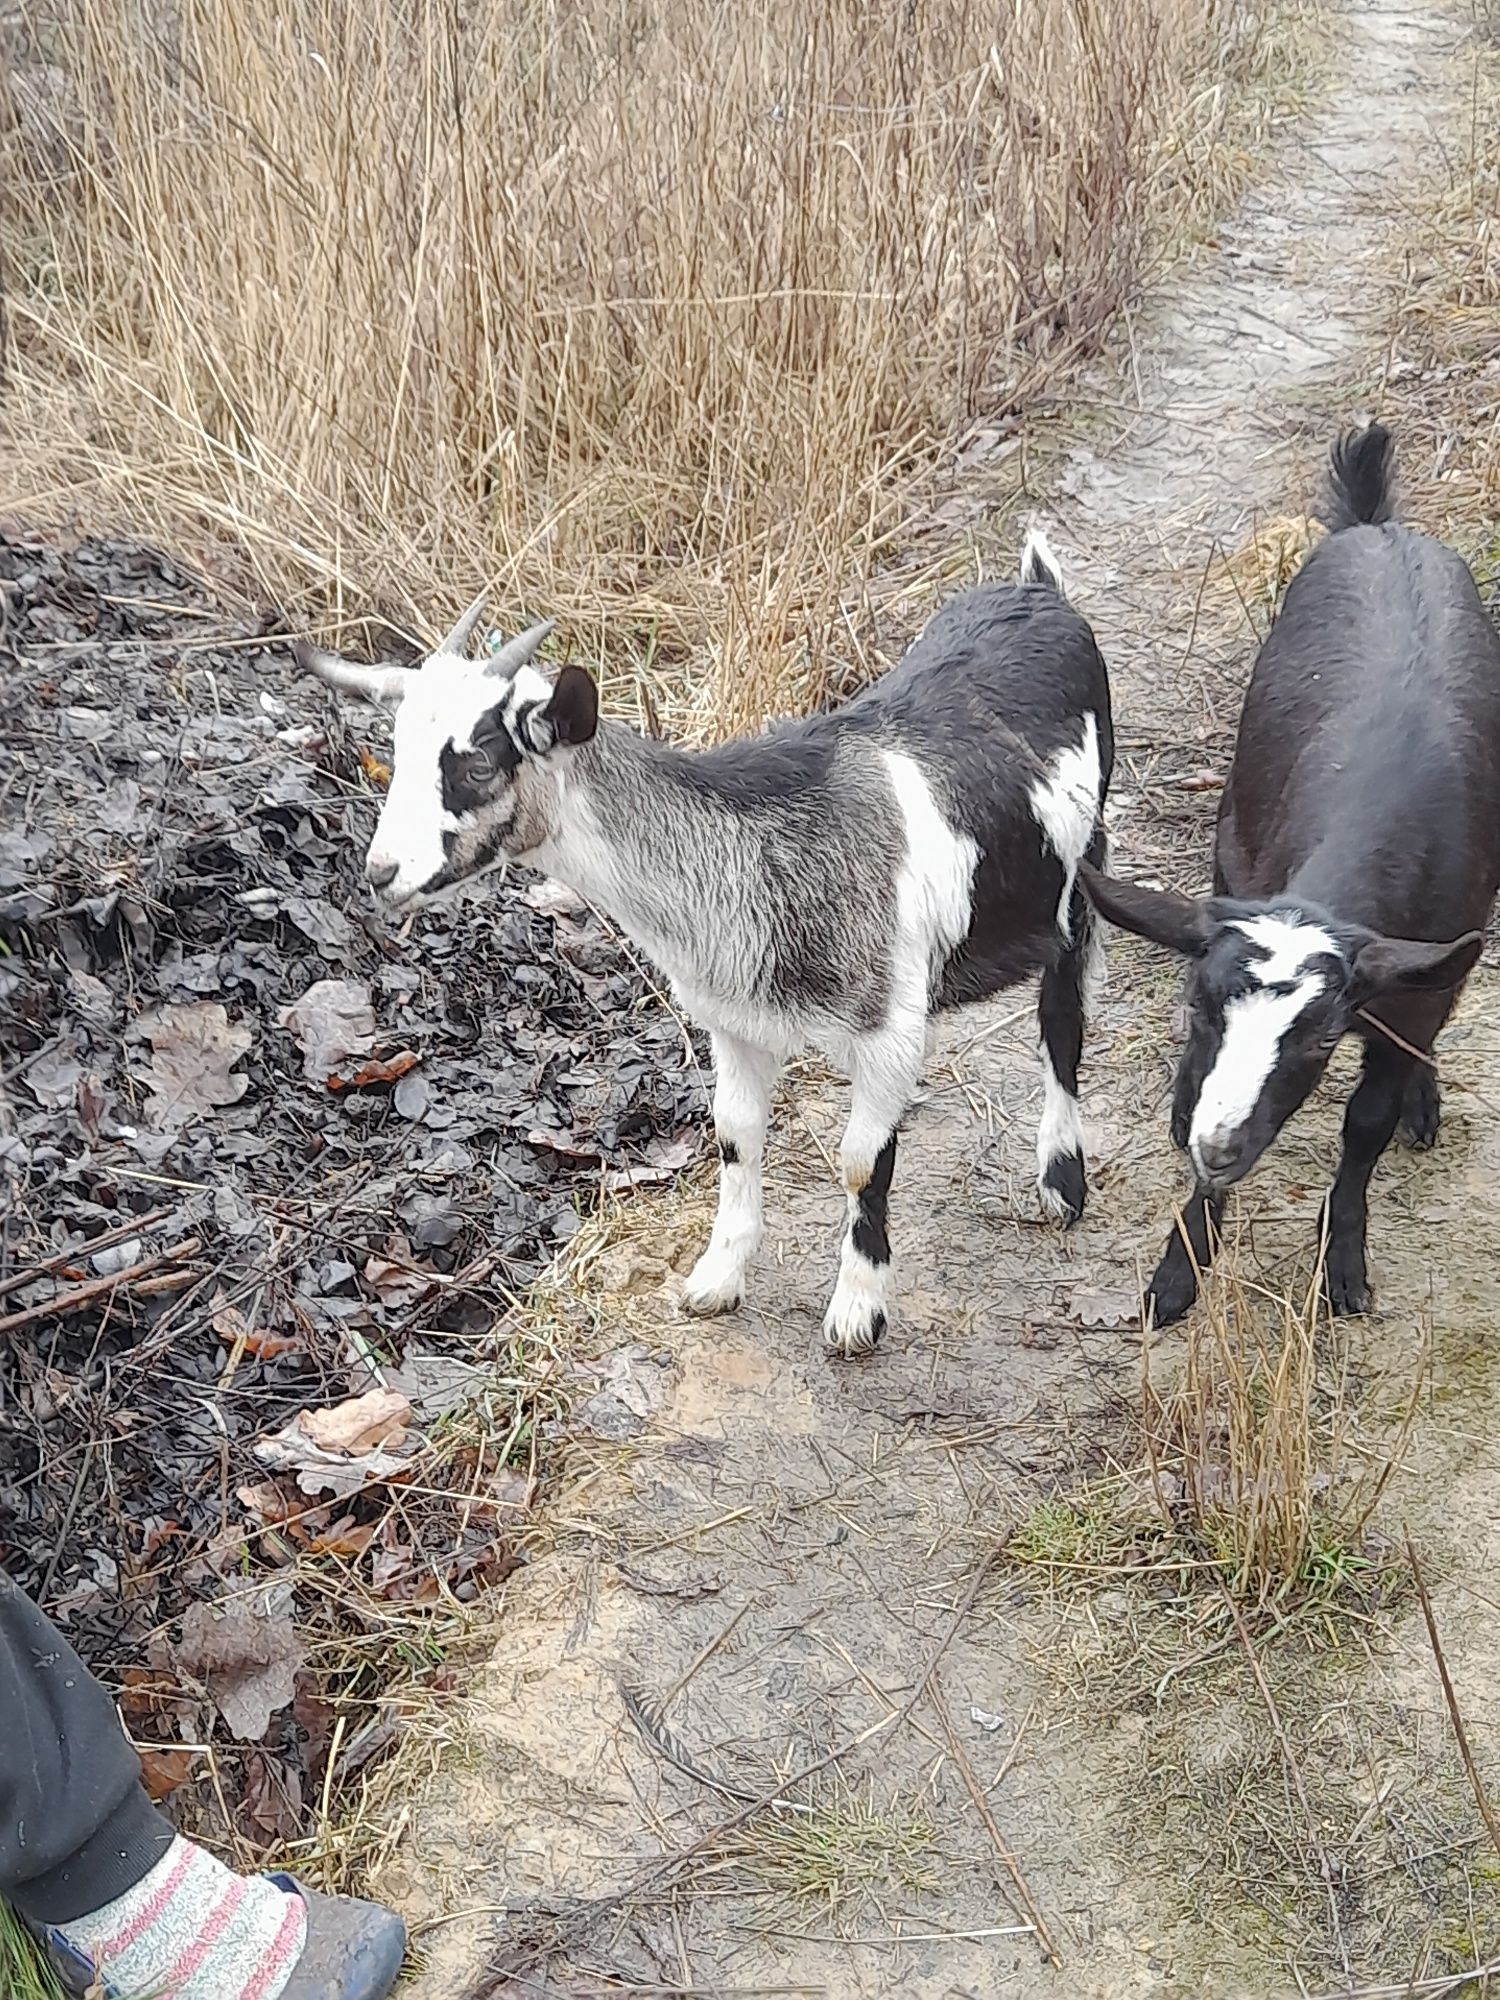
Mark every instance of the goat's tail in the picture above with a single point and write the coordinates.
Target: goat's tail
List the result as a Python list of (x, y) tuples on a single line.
[(1038, 563), (1360, 479)]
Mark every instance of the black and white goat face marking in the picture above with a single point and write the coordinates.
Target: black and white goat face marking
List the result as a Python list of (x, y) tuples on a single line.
[(459, 778), (476, 766), (1269, 1004)]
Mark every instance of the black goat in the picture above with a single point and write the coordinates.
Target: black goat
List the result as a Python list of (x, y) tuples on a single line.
[(1357, 857)]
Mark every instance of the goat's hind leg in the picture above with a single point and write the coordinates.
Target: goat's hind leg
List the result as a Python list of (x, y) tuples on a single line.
[(744, 1080), (884, 1073), (1062, 1007)]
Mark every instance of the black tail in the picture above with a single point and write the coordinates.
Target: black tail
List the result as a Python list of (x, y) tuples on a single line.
[(1360, 475)]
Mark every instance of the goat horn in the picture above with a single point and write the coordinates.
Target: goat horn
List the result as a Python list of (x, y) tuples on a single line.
[(459, 637), (516, 652)]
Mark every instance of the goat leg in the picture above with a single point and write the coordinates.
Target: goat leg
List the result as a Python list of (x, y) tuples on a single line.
[(1190, 1250), (1370, 1120), (744, 1080)]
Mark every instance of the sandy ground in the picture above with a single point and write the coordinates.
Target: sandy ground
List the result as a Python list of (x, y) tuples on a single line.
[(785, 1546)]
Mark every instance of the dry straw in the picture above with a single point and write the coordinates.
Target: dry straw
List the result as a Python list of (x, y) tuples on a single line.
[(649, 316)]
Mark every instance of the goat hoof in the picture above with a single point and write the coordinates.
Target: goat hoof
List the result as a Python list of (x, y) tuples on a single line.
[(1421, 1112), (713, 1286), (1169, 1296), (1062, 1188), (851, 1332), (1346, 1285)]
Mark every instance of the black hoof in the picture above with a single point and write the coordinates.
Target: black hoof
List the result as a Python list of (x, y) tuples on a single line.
[(1421, 1111), (1063, 1188), (1346, 1285), (1170, 1294)]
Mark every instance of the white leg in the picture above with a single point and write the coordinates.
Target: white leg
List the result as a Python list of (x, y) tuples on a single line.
[(744, 1078), (884, 1073)]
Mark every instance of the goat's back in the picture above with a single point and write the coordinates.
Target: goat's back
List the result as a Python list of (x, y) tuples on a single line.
[(1000, 663), (1369, 742)]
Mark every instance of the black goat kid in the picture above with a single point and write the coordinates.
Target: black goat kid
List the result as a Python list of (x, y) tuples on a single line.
[(1357, 857)]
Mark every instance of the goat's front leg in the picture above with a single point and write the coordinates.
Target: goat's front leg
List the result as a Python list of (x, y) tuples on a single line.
[(1369, 1121), (744, 1079), (884, 1074), (1190, 1250)]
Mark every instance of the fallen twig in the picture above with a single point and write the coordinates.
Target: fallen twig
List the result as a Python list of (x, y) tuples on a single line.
[(18, 1279), (1294, 1772), (998, 1841), (96, 1288), (1410, 1989), (573, 1924), (1476, 1783)]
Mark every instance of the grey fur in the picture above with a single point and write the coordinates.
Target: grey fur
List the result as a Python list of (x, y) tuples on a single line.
[(830, 882)]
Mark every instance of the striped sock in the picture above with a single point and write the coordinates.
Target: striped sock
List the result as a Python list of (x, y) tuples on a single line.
[(194, 1930)]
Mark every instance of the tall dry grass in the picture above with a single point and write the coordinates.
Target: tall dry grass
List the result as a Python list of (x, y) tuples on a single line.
[(649, 316)]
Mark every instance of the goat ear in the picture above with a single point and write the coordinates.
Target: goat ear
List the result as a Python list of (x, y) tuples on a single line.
[(573, 711), (383, 684), (1411, 965), (1179, 922)]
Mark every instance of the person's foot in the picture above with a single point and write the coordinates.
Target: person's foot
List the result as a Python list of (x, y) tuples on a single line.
[(353, 1951), (194, 1930)]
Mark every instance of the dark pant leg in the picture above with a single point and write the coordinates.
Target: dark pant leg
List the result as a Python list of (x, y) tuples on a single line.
[(76, 1826)]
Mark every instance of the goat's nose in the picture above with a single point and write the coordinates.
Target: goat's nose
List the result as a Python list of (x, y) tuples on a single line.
[(380, 873), (1216, 1154)]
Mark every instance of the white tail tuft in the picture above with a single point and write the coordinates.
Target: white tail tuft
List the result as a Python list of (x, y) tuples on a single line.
[(1038, 563)]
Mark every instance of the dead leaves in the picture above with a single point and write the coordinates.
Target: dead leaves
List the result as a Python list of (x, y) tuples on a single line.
[(380, 1417), (195, 1047), (344, 1449), (333, 1021), (246, 1653)]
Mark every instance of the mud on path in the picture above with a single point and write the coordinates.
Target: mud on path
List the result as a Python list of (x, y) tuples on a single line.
[(773, 1549)]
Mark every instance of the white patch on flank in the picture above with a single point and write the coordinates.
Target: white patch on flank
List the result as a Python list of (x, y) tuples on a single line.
[(1059, 1135), (1254, 1025), (935, 889), (1066, 807), (1038, 563), (857, 1308)]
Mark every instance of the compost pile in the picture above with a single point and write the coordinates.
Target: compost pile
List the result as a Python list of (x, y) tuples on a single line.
[(275, 1178)]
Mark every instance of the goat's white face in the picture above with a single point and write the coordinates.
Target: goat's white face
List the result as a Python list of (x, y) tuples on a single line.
[(479, 746)]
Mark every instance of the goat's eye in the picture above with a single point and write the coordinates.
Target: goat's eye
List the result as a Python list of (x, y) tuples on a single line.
[(481, 767)]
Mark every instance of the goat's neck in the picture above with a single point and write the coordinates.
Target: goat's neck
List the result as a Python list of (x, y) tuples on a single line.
[(653, 854)]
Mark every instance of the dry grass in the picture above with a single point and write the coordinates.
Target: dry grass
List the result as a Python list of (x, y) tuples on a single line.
[(1439, 384), (1257, 1452), (652, 318)]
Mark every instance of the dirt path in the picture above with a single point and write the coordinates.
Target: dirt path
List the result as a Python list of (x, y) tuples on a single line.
[(779, 1547)]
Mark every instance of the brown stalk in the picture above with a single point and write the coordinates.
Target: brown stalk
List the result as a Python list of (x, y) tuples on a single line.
[(998, 1841), (1481, 1797), (98, 1288)]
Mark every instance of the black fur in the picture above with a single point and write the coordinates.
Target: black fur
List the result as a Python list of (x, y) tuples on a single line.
[(1360, 480), (1364, 792), (870, 1234)]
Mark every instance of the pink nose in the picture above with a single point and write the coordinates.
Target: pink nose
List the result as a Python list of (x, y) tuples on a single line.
[(379, 872)]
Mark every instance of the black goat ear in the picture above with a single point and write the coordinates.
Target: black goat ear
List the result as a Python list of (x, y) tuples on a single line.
[(1411, 965), (1181, 923), (573, 711)]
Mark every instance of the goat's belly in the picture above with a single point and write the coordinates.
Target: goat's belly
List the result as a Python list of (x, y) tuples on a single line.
[(747, 1020)]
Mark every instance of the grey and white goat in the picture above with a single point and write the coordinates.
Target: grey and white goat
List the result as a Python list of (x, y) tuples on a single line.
[(829, 884)]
